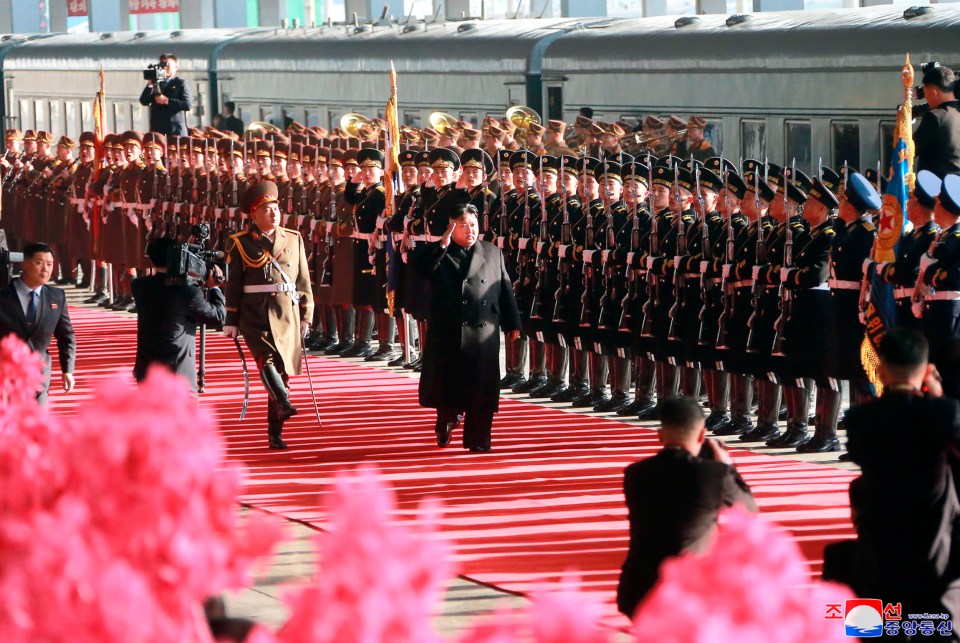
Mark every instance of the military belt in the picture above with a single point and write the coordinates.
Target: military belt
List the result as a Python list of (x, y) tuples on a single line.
[(823, 286), (743, 283), (844, 284), (269, 288), (903, 293)]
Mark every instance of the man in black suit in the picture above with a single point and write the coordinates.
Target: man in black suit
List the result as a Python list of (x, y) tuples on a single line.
[(471, 300), (937, 138), (167, 317), (904, 504), (168, 100), (228, 121), (674, 498), (35, 312)]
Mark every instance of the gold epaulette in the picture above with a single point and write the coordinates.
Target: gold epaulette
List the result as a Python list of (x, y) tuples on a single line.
[(259, 262), (869, 227)]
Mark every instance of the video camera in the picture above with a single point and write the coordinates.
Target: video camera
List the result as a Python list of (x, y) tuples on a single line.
[(156, 72), (7, 259), (190, 264)]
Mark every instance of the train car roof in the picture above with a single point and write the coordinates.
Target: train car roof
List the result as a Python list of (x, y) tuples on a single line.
[(450, 47), (852, 38), (122, 50)]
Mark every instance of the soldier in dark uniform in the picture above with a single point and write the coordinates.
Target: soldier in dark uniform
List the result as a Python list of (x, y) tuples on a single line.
[(590, 240), (612, 265), (367, 292), (902, 272), (566, 312), (399, 272), (846, 278), (741, 281), (269, 299), (96, 215), (636, 177), (939, 295)]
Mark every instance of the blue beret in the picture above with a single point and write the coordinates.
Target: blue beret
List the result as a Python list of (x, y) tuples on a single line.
[(950, 194), (861, 194)]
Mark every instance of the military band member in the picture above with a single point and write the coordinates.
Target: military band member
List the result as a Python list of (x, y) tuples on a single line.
[(902, 272), (939, 296), (859, 199), (78, 218), (553, 139), (54, 206), (269, 299)]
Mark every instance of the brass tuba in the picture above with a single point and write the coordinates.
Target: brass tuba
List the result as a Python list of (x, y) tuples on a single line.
[(522, 117), (354, 124), (259, 129), (441, 121)]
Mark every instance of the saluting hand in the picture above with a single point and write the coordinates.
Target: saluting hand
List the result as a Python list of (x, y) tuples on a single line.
[(445, 239)]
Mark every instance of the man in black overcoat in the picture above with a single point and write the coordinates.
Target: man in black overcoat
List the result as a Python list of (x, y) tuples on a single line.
[(168, 315), (471, 300)]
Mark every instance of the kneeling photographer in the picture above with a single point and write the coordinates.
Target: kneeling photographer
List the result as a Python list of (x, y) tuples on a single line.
[(171, 303)]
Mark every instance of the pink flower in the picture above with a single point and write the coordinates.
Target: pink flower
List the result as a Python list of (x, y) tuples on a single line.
[(379, 579), (751, 586), (110, 527), (21, 372)]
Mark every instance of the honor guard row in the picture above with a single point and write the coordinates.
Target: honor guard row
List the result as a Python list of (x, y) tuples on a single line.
[(637, 276)]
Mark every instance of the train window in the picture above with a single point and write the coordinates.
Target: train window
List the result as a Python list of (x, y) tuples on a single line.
[(412, 118), (56, 125), (753, 138), (714, 133), (798, 144), (70, 116), (121, 117), (555, 103), (139, 118), (334, 117), (266, 113), (470, 117), (845, 143), (290, 114), (887, 130), (86, 117), (313, 118), (40, 115)]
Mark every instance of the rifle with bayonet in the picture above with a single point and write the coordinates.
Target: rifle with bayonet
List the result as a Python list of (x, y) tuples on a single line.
[(632, 277), (728, 295), (679, 289), (588, 245), (653, 292), (761, 259), (610, 244), (326, 270), (542, 241), (563, 268), (786, 295)]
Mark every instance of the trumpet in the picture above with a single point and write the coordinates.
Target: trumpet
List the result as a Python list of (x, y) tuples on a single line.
[(636, 139)]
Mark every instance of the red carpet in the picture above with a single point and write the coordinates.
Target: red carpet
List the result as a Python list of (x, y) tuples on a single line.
[(548, 498)]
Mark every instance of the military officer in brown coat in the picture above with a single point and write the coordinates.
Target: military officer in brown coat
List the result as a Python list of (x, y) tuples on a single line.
[(269, 299)]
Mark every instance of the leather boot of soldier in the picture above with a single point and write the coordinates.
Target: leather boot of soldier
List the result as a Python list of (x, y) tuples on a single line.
[(717, 384), (100, 287), (690, 381), (598, 382), (798, 410), (402, 324), (644, 375), (277, 390), (386, 329), (578, 377), (361, 347), (825, 437), (621, 371), (329, 334), (556, 372), (274, 428), (509, 379), (538, 367), (741, 400), (344, 324), (768, 413), (668, 385), (416, 357)]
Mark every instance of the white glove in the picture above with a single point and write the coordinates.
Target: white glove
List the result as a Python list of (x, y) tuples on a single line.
[(917, 308), (604, 256), (650, 263), (725, 272), (755, 272), (304, 327), (866, 265), (925, 261), (500, 241), (703, 267), (231, 331), (676, 261), (785, 274), (630, 257), (587, 256), (881, 266)]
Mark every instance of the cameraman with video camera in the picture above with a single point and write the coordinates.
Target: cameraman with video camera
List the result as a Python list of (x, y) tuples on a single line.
[(937, 138), (168, 315), (167, 96)]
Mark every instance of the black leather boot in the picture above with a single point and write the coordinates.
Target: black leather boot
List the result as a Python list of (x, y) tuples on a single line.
[(825, 437), (277, 389)]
